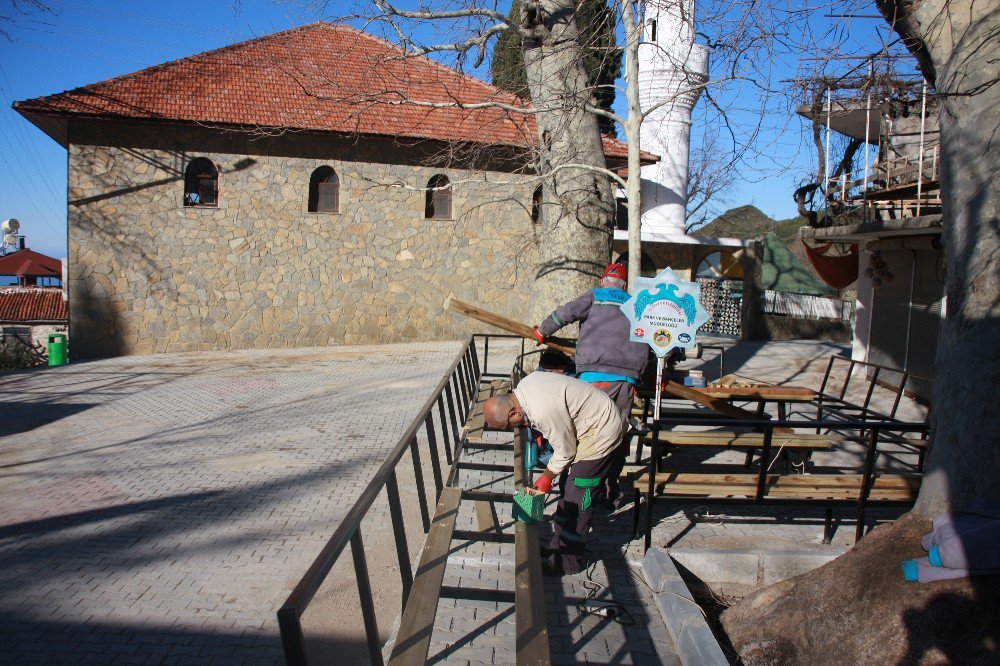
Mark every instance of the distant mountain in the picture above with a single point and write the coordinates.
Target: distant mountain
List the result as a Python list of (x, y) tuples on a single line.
[(750, 222)]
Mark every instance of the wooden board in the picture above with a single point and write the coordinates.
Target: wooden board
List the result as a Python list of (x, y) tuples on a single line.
[(745, 440), (782, 393), (532, 626), (718, 404), (476, 425), (417, 624), (505, 324), (890, 487)]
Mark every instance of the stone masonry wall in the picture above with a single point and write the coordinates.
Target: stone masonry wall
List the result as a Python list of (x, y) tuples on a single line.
[(147, 274)]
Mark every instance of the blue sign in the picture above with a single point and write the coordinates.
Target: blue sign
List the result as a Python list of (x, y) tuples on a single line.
[(665, 312)]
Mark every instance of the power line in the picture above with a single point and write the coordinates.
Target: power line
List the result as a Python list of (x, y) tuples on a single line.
[(24, 139), (58, 30), (119, 16), (50, 49)]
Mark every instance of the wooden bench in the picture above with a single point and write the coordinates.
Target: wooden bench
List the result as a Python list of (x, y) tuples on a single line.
[(530, 617), (703, 485), (413, 641)]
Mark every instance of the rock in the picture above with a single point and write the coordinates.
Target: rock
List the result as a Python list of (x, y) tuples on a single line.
[(857, 609)]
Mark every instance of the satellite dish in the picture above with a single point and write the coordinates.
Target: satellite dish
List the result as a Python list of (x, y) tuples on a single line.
[(11, 226), (10, 239)]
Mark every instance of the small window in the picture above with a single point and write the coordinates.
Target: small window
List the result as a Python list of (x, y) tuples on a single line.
[(324, 191), (621, 214), (201, 183), (437, 205), (536, 205)]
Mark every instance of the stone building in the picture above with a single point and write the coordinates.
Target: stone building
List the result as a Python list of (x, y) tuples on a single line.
[(311, 187)]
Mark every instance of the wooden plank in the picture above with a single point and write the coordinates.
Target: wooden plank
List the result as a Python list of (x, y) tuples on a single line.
[(745, 440), (476, 425), (784, 393), (890, 487), (417, 624), (529, 599), (718, 404), (505, 324), (486, 517)]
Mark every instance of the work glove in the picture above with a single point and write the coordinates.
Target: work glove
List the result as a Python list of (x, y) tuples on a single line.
[(543, 484), (538, 336)]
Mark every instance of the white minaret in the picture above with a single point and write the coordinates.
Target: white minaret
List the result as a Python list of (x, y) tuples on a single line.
[(669, 63)]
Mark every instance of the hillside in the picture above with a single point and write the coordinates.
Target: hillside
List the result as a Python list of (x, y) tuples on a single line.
[(750, 222)]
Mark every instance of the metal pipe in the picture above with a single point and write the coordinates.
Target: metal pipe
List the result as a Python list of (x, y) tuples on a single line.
[(920, 158), (826, 158), (868, 122)]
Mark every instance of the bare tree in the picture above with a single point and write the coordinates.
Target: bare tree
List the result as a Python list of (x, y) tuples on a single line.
[(574, 241)]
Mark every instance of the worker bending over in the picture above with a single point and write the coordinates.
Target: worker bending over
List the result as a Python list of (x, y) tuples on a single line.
[(584, 427)]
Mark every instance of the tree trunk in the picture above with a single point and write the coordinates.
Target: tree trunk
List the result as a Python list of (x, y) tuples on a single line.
[(961, 38), (577, 201)]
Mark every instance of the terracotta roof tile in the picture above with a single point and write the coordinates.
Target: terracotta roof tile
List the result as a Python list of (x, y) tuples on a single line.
[(32, 305), (322, 77)]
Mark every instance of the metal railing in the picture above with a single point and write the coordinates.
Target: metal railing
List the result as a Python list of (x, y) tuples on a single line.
[(441, 418)]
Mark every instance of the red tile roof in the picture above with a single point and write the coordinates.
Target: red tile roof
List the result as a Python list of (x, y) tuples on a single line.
[(32, 305), (322, 77), (28, 263)]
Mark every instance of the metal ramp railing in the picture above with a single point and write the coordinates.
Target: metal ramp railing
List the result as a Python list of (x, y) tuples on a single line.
[(452, 416)]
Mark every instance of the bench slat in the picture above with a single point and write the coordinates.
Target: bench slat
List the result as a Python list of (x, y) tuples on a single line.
[(800, 486), (417, 624), (532, 641), (476, 425), (754, 440)]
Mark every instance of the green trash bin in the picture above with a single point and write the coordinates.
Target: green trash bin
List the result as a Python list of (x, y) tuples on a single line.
[(57, 349)]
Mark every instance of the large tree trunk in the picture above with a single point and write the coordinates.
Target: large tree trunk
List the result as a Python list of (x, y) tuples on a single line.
[(963, 40), (577, 204)]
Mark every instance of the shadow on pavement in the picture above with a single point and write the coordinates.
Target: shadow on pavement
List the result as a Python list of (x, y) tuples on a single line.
[(24, 416)]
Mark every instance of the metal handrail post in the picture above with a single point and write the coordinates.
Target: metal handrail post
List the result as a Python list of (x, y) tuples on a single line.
[(365, 597)]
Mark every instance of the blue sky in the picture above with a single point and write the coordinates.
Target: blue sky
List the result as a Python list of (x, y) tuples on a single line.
[(77, 43)]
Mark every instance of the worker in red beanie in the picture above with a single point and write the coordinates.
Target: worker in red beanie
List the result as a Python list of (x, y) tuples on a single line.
[(605, 357)]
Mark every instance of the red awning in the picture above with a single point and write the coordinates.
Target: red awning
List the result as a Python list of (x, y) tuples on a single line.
[(836, 270)]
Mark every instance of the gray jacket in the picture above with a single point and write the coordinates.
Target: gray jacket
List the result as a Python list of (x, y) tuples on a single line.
[(604, 330)]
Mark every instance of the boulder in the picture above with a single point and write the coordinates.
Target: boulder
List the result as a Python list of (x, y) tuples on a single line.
[(857, 609)]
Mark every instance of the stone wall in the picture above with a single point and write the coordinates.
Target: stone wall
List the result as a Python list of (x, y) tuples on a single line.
[(147, 274)]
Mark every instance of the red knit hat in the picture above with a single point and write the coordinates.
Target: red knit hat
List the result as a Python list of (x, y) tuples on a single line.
[(616, 271)]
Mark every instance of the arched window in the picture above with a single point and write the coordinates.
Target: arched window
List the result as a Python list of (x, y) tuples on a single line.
[(437, 204), (324, 191), (536, 205), (201, 183)]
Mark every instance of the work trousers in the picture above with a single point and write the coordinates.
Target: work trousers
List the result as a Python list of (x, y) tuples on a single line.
[(623, 395), (579, 488)]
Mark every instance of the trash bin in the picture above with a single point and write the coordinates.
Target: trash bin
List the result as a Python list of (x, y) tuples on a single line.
[(57, 349)]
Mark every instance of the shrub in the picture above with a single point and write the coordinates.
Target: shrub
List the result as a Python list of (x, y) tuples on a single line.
[(16, 356)]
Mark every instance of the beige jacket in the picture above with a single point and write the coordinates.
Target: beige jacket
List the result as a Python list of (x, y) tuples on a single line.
[(580, 421)]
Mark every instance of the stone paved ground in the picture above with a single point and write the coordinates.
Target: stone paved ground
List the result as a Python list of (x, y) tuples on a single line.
[(158, 509)]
